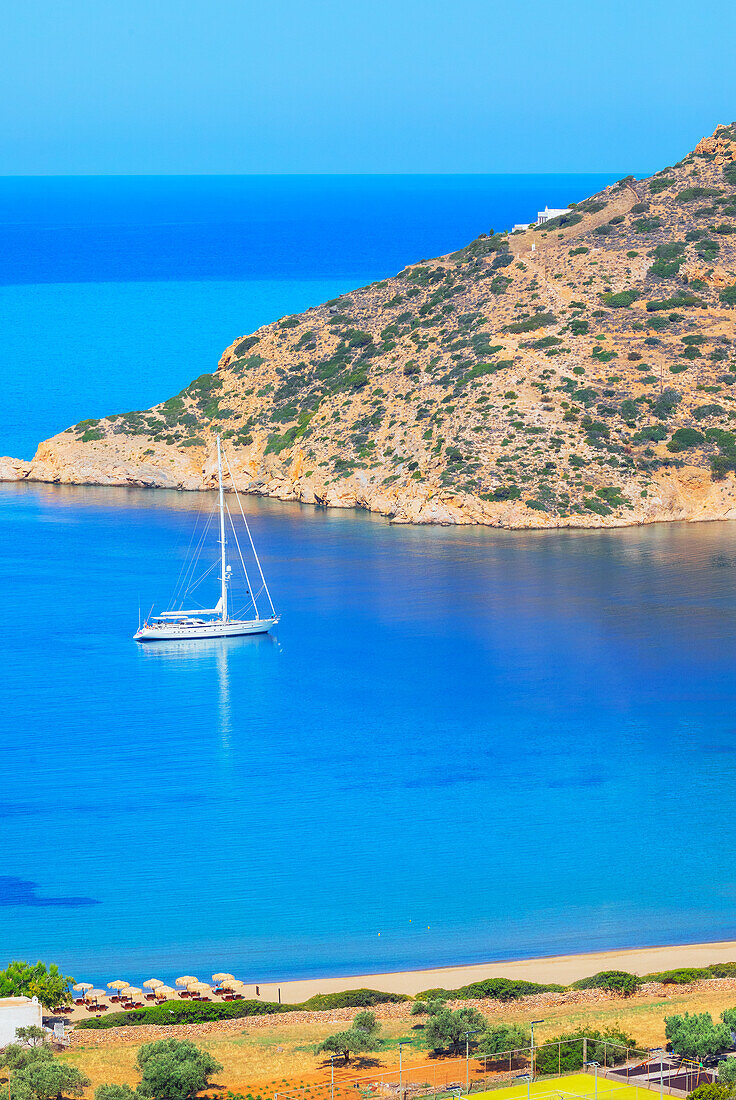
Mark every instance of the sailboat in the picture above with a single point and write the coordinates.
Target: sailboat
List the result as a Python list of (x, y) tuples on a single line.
[(216, 622)]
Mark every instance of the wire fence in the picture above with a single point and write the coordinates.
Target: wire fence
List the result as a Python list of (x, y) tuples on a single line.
[(611, 1067)]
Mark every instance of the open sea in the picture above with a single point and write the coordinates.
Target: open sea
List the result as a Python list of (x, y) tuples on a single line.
[(458, 745)]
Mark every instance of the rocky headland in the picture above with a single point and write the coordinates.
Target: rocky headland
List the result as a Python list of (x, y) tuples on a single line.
[(580, 373)]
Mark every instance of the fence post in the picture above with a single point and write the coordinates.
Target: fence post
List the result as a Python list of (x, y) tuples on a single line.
[(585, 1049)]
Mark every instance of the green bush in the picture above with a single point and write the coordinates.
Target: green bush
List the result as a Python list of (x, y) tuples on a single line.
[(704, 411), (666, 403), (245, 345), (620, 300), (646, 225), (660, 184), (501, 1038), (727, 1072), (696, 1036), (552, 1058), (529, 324), (506, 492), (728, 295), (711, 1090), (497, 989), (618, 981), (349, 998), (684, 438), (691, 193), (677, 302), (681, 976)]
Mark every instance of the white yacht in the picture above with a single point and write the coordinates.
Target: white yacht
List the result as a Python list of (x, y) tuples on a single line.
[(217, 621)]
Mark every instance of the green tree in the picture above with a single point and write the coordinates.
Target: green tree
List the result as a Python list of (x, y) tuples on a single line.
[(696, 1036), (566, 1052), (32, 1036), (115, 1092), (16, 1056), (348, 1042), (367, 1022), (503, 1038), (361, 1037), (711, 1091), (727, 1072), (52, 988), (174, 1069), (446, 1029), (45, 1079)]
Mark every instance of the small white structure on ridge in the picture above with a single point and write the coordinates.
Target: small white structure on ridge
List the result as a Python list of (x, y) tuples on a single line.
[(547, 214), (18, 1012)]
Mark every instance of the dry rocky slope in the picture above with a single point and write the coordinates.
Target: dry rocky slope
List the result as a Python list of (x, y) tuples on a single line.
[(578, 374)]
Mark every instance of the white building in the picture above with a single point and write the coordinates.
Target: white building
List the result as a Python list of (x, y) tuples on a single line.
[(18, 1012), (547, 214)]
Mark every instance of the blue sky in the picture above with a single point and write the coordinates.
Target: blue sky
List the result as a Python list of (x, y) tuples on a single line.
[(231, 86)]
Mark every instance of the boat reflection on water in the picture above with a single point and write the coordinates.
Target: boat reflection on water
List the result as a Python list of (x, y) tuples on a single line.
[(221, 655)]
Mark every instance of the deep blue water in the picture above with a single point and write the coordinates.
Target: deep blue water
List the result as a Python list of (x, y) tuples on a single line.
[(477, 744), (116, 292)]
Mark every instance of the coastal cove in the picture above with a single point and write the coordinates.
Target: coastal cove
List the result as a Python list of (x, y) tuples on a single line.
[(479, 744)]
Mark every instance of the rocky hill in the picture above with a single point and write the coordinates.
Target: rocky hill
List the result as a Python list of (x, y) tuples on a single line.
[(582, 373)]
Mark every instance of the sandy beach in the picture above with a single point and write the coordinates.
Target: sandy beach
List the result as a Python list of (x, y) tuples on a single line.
[(561, 969)]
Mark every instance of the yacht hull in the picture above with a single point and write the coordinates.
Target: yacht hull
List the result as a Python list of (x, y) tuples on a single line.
[(168, 632)]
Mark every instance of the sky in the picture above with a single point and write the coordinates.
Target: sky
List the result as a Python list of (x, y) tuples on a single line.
[(360, 86)]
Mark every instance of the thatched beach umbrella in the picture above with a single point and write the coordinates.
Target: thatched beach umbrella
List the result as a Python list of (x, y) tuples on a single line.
[(232, 984), (186, 979), (153, 983), (164, 991), (200, 988), (82, 987), (117, 985), (130, 991), (220, 978), (95, 994)]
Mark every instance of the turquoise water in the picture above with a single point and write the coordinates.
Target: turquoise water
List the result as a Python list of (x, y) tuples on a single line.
[(477, 744), (459, 744)]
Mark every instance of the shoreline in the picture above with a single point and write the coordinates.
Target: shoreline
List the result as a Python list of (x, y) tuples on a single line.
[(548, 969)]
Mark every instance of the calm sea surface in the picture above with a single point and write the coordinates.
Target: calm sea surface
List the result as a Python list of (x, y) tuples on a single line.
[(477, 744), (458, 745)]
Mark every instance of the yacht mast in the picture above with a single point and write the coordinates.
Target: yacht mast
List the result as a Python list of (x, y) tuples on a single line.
[(223, 563)]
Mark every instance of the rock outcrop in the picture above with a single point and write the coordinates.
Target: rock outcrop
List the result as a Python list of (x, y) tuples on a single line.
[(580, 373)]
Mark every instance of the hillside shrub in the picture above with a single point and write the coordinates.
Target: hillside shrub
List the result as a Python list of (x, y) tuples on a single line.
[(618, 981), (676, 302), (728, 295), (660, 183), (529, 324), (620, 300), (646, 225), (684, 438), (691, 193), (682, 976), (497, 989), (665, 404), (704, 411)]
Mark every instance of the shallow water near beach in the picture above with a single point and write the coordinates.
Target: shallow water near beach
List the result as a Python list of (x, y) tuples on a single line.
[(458, 745)]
